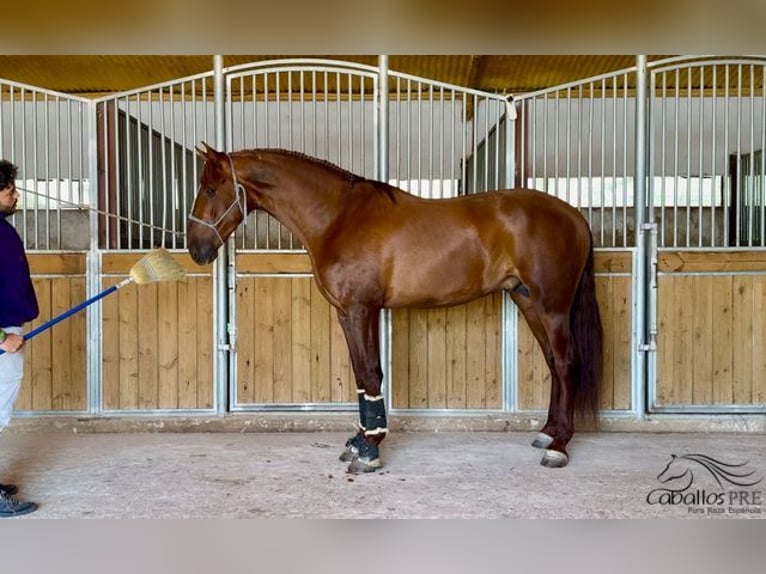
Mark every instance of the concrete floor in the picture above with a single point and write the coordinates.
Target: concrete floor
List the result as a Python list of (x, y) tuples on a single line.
[(297, 474)]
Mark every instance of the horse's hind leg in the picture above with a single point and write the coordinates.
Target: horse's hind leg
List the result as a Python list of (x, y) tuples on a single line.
[(560, 424), (544, 437), (360, 327)]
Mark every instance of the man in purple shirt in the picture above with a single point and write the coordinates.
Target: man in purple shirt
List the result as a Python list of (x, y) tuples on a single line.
[(18, 304)]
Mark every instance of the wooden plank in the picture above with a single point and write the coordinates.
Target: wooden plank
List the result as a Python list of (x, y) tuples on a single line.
[(475, 355), (301, 339), (702, 337), (205, 341), (42, 364), (321, 318), (742, 339), (418, 354), (493, 356), (759, 339), (61, 349), (263, 335), (710, 261), (621, 374), (665, 357), (456, 357), (606, 297), (75, 398), (722, 350), (271, 263), (110, 347), (245, 340), (56, 263), (168, 350), (283, 363), (148, 387), (400, 358), (684, 351), (187, 339), (128, 313), (612, 262), (436, 353)]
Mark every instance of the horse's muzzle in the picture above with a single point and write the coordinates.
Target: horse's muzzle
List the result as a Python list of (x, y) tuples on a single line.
[(203, 254)]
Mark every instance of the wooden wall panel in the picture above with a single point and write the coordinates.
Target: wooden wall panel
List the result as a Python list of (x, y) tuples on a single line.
[(157, 342), (613, 292), (448, 358), (711, 329), (55, 360), (290, 347)]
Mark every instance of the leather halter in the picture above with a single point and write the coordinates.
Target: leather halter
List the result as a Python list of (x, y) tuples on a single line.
[(239, 201)]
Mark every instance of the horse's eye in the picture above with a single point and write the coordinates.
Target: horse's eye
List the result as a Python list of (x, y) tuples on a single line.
[(210, 191)]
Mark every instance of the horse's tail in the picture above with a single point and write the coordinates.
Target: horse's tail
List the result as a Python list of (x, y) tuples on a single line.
[(588, 335)]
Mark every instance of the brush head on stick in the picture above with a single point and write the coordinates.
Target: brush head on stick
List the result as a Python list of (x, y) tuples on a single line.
[(157, 265)]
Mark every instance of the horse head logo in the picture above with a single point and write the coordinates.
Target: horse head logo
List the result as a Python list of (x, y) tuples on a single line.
[(680, 471)]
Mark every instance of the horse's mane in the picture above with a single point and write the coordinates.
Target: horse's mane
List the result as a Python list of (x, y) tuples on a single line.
[(350, 176), (721, 470)]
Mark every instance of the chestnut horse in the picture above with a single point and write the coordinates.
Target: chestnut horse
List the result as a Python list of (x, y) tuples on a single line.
[(373, 246)]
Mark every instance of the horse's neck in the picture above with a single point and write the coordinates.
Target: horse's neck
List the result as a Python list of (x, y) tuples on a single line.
[(308, 212)]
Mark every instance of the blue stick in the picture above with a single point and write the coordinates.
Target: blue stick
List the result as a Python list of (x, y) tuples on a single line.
[(73, 310)]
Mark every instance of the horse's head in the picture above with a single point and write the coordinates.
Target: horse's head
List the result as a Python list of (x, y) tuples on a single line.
[(219, 207), (674, 470)]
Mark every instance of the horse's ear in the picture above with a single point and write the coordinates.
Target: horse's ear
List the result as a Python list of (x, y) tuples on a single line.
[(207, 153)]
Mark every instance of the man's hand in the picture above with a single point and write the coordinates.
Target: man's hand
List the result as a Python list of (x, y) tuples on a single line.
[(13, 343)]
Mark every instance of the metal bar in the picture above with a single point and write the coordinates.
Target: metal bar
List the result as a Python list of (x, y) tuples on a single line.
[(223, 362), (644, 253)]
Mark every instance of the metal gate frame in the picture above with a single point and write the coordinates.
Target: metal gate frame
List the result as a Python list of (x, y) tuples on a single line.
[(645, 248), (381, 149)]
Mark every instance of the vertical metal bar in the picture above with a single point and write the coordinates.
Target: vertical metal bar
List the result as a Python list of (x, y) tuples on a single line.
[(442, 109), (509, 330), (546, 110), (751, 184), (464, 134), (89, 128), (382, 138), (590, 186), (676, 193), (223, 317), (643, 306), (740, 194), (762, 175), (614, 162), (688, 155), (49, 203), (432, 190), (567, 147), (663, 156), (602, 204), (713, 151), (726, 180), (700, 174), (350, 123)]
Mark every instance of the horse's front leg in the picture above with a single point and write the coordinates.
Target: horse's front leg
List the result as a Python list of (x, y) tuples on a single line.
[(360, 326)]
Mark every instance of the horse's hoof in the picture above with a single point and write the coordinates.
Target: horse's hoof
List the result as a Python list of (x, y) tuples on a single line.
[(542, 440), (363, 464), (349, 454), (554, 459)]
